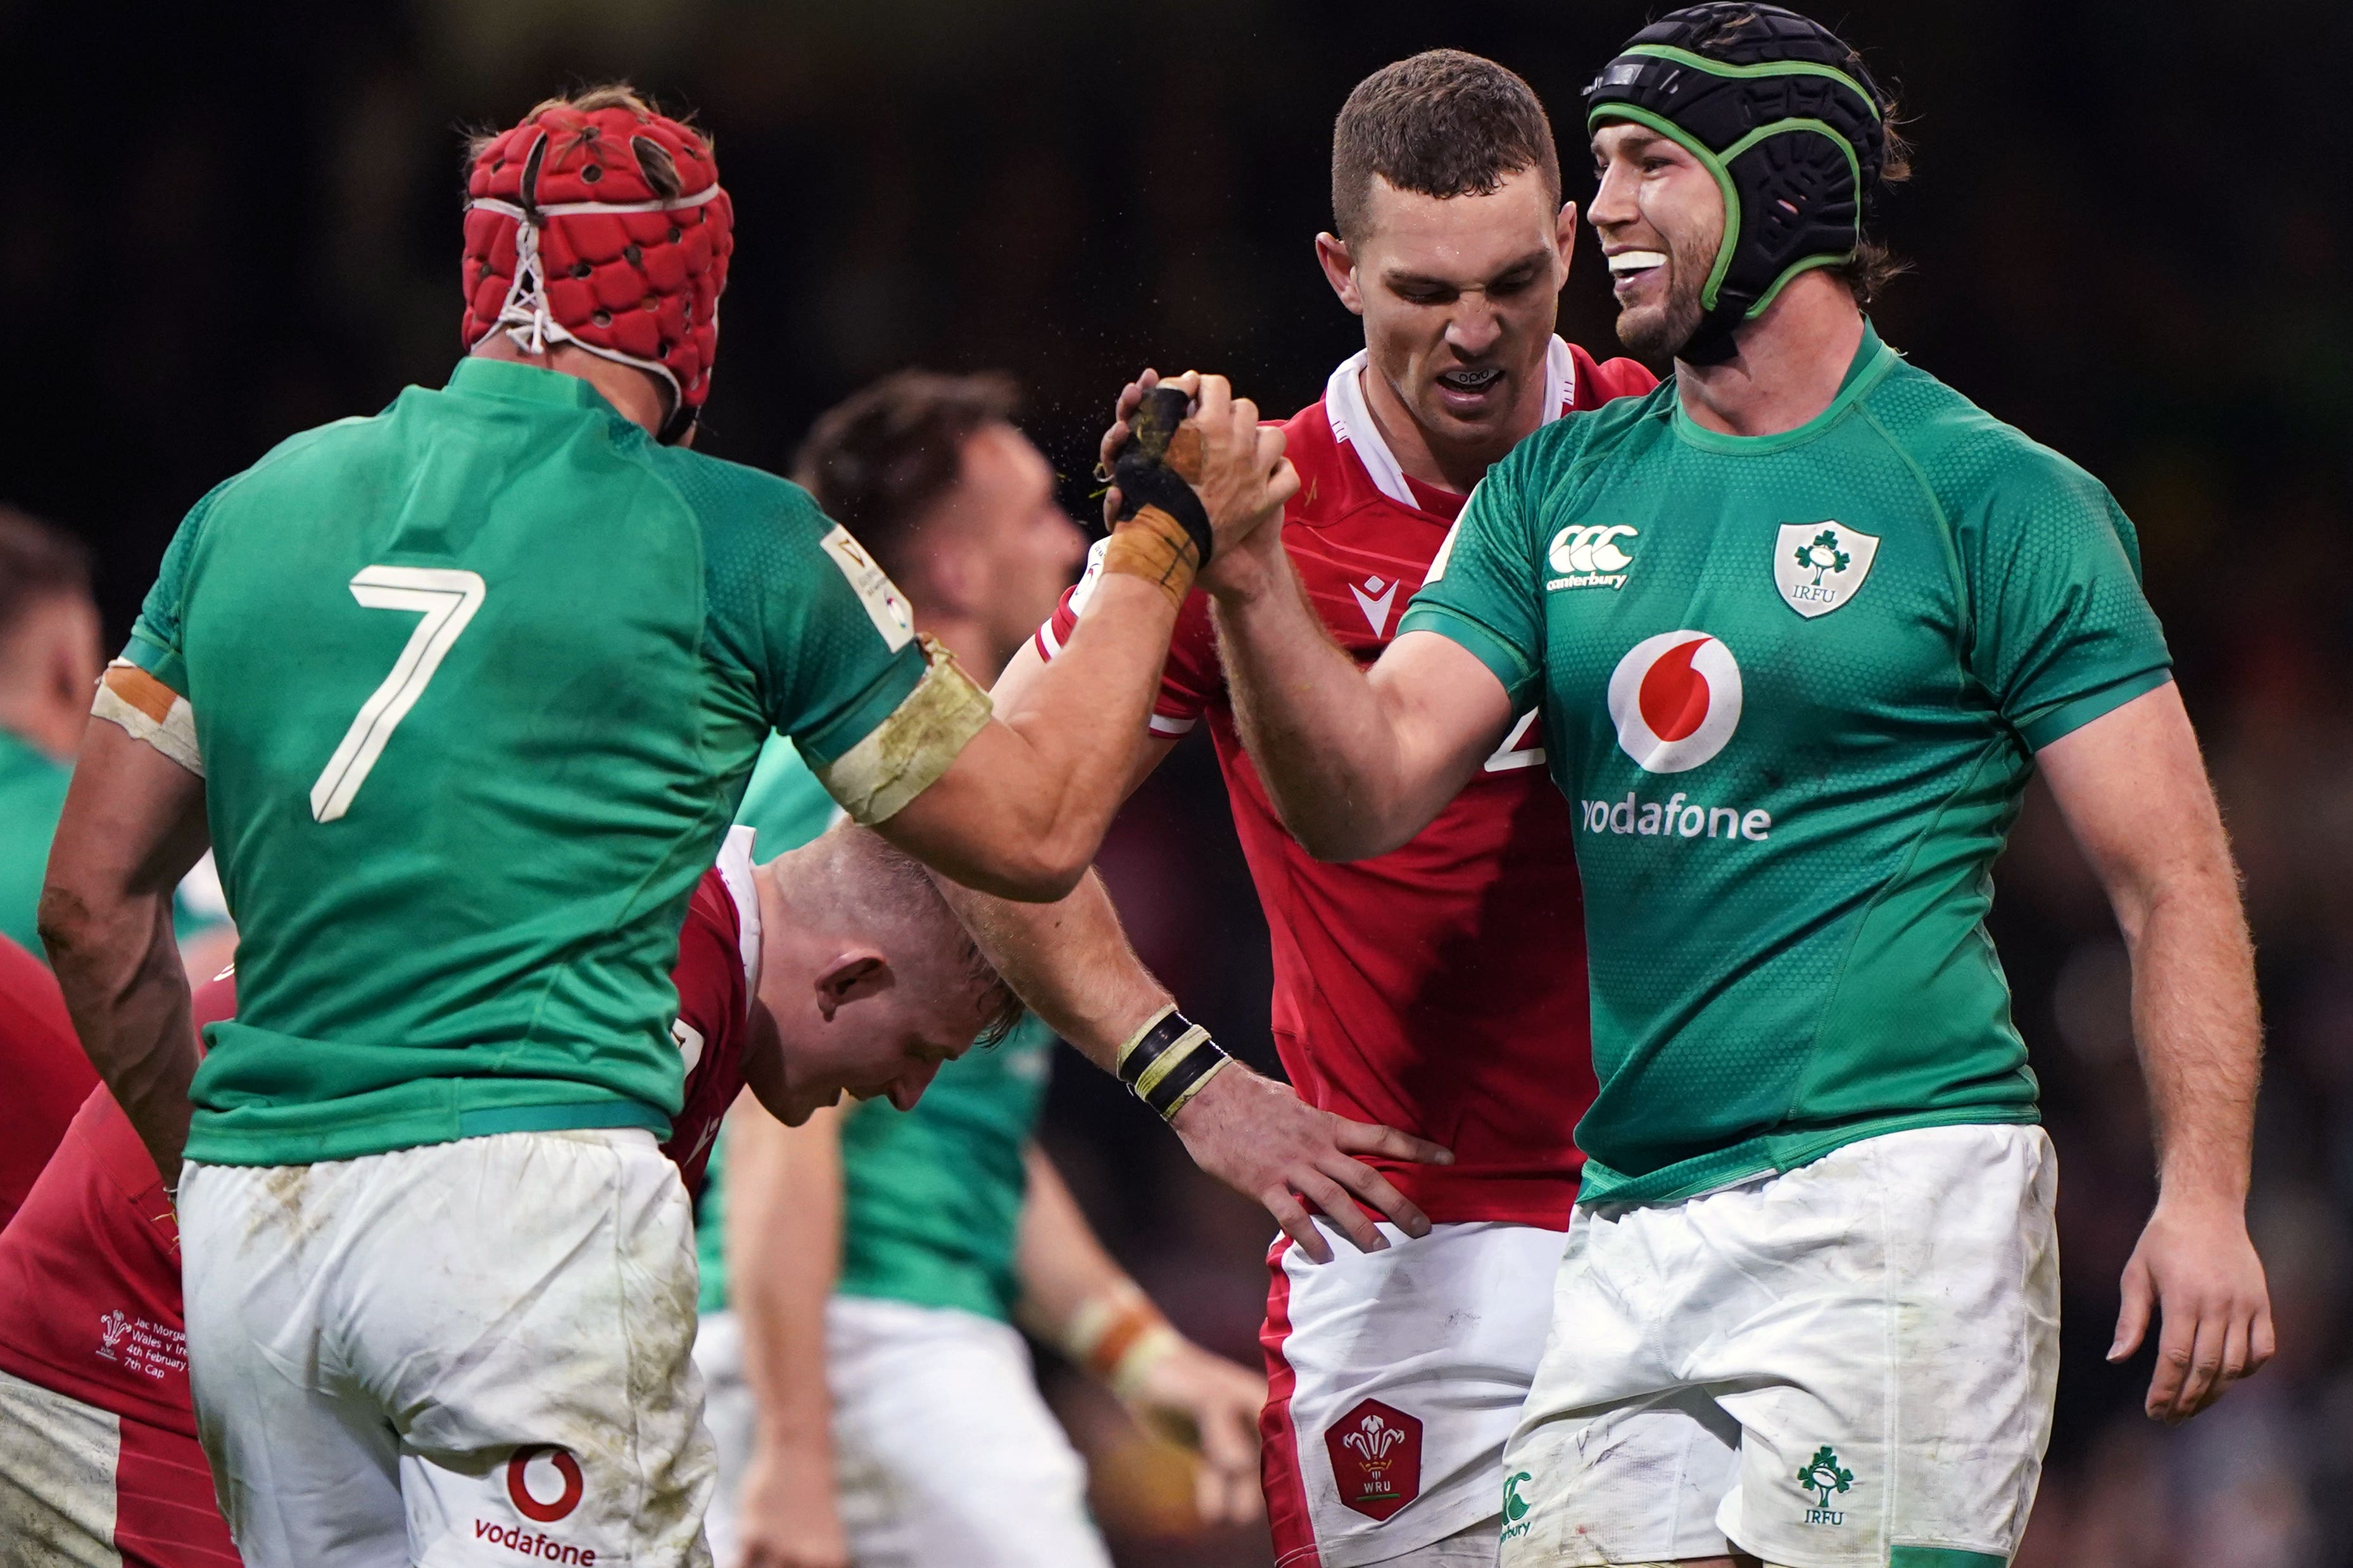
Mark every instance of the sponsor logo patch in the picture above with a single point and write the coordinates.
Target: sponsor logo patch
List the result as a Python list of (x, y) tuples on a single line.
[(1375, 599), (1515, 1507), (885, 606), (1675, 699), (1376, 1452), (1819, 566), (1588, 556), (526, 1498)]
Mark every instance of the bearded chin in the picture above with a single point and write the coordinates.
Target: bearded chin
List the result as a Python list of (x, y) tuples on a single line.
[(1662, 333)]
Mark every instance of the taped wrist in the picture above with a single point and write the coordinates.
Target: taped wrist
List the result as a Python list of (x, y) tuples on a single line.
[(1156, 547), (1169, 1061), (1119, 1336), (1154, 473)]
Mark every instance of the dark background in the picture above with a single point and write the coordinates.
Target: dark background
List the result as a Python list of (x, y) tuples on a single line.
[(2130, 228)]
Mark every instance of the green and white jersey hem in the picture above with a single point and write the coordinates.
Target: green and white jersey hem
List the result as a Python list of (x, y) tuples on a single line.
[(1774, 1154)]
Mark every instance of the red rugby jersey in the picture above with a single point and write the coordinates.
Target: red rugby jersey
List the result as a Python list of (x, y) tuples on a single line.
[(1438, 988), (42, 1065), (90, 1271)]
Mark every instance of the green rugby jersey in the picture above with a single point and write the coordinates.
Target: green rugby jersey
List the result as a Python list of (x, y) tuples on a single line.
[(931, 1198), (32, 797), (1793, 686), (478, 682)]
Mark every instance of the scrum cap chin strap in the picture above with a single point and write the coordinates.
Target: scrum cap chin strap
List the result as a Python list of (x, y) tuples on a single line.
[(1782, 114)]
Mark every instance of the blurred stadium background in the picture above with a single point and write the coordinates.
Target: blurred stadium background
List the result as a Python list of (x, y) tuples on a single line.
[(2130, 237)]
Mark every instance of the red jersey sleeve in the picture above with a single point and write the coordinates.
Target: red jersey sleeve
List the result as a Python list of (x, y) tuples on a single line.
[(1190, 680), (1600, 381), (42, 1064), (716, 974)]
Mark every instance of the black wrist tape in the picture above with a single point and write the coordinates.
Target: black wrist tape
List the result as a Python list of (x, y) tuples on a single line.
[(1169, 1061), (1142, 475)]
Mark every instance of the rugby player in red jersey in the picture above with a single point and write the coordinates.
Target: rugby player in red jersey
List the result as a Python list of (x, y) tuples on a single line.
[(43, 1066), (1439, 989), (829, 970)]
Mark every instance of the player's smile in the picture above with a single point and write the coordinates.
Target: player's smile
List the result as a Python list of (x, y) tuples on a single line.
[(1630, 269)]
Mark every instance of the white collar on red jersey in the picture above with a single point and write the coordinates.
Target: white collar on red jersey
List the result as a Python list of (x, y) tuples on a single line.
[(735, 871), (1352, 421)]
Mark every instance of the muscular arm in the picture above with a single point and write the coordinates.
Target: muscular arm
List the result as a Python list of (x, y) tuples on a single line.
[(2133, 792), (1074, 1295), (1070, 962), (784, 1254), (133, 824), (1356, 762), (1023, 808)]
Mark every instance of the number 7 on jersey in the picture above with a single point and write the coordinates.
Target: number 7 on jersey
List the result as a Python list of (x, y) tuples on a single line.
[(447, 596)]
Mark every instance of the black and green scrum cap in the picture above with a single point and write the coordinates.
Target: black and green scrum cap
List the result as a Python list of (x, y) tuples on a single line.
[(1783, 114)]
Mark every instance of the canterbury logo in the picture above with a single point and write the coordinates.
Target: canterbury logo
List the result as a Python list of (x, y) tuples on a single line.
[(1590, 549)]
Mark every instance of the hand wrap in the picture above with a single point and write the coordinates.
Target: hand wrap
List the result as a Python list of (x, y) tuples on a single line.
[(1169, 1061), (1162, 533)]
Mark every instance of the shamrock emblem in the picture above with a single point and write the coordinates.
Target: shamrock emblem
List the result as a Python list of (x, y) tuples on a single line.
[(1822, 555), (1821, 1474)]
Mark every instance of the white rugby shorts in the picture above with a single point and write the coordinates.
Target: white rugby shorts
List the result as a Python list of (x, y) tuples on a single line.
[(947, 1452), (1393, 1380), (944, 1451), (1849, 1364), (472, 1353)]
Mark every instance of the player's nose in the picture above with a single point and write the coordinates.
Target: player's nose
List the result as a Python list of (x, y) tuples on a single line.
[(1476, 327), (1613, 205)]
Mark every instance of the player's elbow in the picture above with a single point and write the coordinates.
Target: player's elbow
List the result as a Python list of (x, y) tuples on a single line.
[(67, 923), (1040, 869), (1347, 833)]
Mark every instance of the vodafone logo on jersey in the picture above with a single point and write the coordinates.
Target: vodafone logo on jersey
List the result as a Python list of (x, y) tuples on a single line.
[(1675, 699)]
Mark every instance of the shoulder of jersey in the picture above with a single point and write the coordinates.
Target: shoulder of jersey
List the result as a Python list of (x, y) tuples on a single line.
[(735, 485), (1959, 448), (1331, 484)]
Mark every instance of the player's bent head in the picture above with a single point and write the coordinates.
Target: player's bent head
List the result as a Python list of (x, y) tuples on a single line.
[(930, 474), (873, 981), (50, 649), (1451, 240), (1770, 106)]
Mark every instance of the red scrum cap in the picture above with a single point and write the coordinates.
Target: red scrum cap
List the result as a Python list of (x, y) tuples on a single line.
[(603, 226)]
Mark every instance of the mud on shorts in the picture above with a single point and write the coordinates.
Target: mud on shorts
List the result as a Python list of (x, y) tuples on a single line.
[(86, 1488), (1848, 1365), (472, 1353), (1393, 1380)]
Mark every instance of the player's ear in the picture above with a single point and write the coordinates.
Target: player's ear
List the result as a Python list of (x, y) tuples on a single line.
[(1339, 269), (1564, 235), (858, 972)]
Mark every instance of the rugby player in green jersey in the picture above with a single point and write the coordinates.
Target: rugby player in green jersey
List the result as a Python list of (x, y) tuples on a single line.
[(1802, 624), (465, 695)]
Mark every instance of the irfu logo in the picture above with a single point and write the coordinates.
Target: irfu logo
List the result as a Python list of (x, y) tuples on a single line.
[(1819, 566), (1822, 554), (1821, 1476), (1515, 1507)]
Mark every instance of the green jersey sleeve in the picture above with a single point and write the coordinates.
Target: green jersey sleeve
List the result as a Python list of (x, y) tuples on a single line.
[(1483, 589), (155, 637), (2062, 633), (827, 642)]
